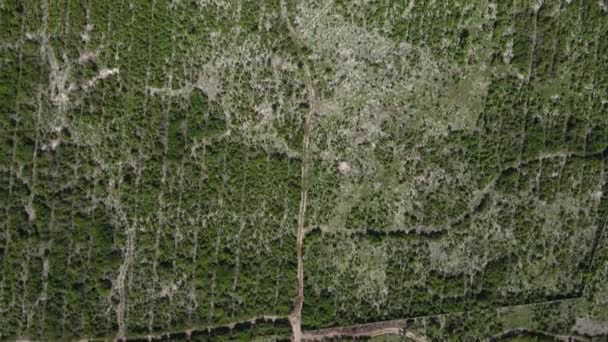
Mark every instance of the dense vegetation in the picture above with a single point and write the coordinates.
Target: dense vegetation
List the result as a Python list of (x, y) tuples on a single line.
[(151, 166)]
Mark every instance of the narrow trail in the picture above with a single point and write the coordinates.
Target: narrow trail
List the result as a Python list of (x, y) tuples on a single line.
[(400, 326), (363, 331), (397, 327), (296, 314)]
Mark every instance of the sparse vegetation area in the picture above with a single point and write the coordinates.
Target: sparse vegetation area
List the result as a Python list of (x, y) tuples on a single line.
[(273, 170)]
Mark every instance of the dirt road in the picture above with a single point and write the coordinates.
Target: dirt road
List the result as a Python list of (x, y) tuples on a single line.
[(295, 316)]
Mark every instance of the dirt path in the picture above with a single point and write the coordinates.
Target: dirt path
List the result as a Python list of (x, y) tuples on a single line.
[(395, 327), (295, 316), (399, 326)]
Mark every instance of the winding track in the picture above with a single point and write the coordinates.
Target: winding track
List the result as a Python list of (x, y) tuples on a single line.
[(296, 314)]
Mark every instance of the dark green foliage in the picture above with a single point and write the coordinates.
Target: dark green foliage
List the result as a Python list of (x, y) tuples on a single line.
[(151, 159)]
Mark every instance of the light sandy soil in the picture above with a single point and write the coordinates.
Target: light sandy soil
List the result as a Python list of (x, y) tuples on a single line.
[(395, 327)]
